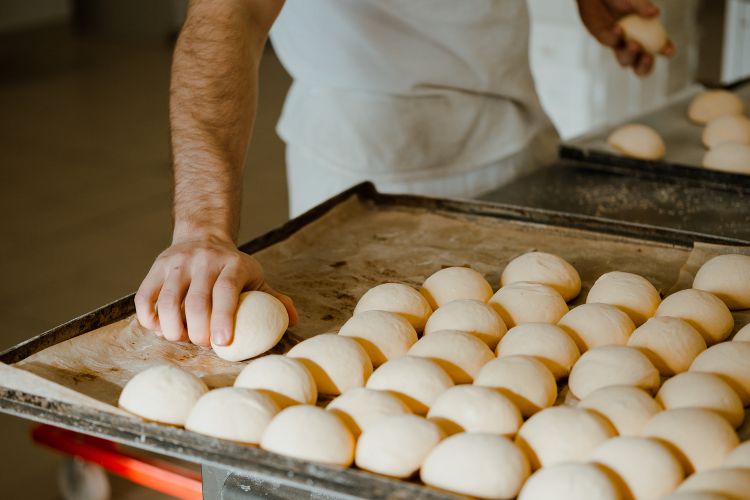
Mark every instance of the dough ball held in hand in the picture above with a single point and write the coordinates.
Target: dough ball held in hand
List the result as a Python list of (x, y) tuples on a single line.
[(637, 141), (283, 379), (632, 293), (470, 316), (455, 283), (648, 32), (545, 268), (460, 354), (383, 335), (397, 298), (711, 104), (728, 277), (525, 302)]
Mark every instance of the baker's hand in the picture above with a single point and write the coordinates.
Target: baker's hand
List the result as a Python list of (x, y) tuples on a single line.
[(205, 277), (600, 18)]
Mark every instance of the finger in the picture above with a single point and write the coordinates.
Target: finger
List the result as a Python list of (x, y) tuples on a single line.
[(612, 37), (627, 55), (644, 8), (145, 300), (643, 64), (198, 306), (668, 50), (225, 295), (169, 304), (287, 301)]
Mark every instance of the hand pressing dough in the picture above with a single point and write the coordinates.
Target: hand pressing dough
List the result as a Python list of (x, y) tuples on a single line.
[(571, 481), (472, 408), (701, 439), (336, 363), (259, 323), (612, 365), (739, 457), (524, 380), (595, 325), (416, 381), (632, 293), (647, 467), (671, 344), (310, 433), (627, 408), (397, 445), (524, 302), (729, 157), (470, 316), (703, 310), (544, 268), (232, 413), (562, 434), (361, 408), (733, 482), (714, 103), (637, 141), (162, 393), (383, 335), (478, 465), (648, 32), (547, 343), (283, 379), (397, 298), (727, 128), (455, 283), (702, 390), (728, 360), (727, 277), (460, 354), (743, 334)]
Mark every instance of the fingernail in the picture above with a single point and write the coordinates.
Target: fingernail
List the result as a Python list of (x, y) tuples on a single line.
[(220, 337)]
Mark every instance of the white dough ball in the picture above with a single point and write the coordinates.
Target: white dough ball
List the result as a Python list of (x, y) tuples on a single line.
[(460, 354), (361, 408), (595, 325), (671, 344), (562, 434), (162, 393), (701, 439), (702, 390), (570, 481), (637, 141), (470, 316), (627, 408), (703, 310), (612, 365), (647, 467), (696, 495), (259, 323), (729, 157), (336, 363), (524, 302), (455, 283), (727, 277), (397, 445), (728, 360), (283, 379), (739, 457), (472, 408), (232, 413), (525, 380), (727, 128), (713, 103), (733, 482), (397, 298), (743, 334), (632, 293), (545, 268), (416, 381), (478, 465), (648, 32), (546, 342), (383, 335)]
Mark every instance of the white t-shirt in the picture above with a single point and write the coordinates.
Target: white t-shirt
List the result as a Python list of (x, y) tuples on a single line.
[(404, 89)]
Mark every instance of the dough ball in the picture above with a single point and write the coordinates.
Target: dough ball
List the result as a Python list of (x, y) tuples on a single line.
[(695, 495), (336, 363), (361, 408), (637, 141), (455, 283), (648, 32), (595, 325), (700, 439), (259, 323), (739, 457), (383, 335), (703, 310), (728, 360), (645, 466), (460, 354), (544, 268), (397, 445), (562, 434), (729, 157), (524, 302), (478, 465), (472, 408), (733, 482), (713, 103), (702, 390), (548, 343), (727, 277), (743, 334), (627, 408), (612, 365), (727, 128), (162, 393), (232, 413), (571, 481), (310, 433), (632, 293), (525, 380), (283, 379), (416, 381), (397, 298), (671, 344), (470, 316)]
